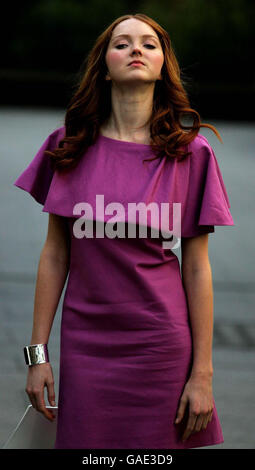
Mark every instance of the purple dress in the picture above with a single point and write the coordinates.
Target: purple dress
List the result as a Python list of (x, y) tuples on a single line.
[(126, 344)]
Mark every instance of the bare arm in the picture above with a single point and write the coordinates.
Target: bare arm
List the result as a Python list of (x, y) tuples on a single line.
[(51, 276), (197, 282)]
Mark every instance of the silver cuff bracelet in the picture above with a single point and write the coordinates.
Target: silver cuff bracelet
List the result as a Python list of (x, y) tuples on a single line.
[(36, 354)]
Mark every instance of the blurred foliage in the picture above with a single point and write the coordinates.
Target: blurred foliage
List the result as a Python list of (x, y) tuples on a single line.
[(57, 34), (216, 37), (48, 40)]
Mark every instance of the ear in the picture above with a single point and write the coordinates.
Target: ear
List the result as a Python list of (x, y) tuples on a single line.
[(107, 77)]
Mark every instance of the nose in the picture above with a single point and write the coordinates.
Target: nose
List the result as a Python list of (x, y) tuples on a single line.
[(136, 50)]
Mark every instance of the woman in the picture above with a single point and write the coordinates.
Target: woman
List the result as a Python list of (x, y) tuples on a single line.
[(136, 335)]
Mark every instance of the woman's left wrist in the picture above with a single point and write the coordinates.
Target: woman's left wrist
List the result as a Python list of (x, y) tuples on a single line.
[(202, 372)]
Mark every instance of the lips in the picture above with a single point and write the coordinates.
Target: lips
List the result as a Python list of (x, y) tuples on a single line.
[(136, 62)]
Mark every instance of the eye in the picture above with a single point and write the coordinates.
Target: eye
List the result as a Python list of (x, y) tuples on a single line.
[(119, 45), (150, 45)]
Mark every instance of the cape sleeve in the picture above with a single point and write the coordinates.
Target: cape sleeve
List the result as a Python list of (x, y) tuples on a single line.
[(36, 179), (207, 203)]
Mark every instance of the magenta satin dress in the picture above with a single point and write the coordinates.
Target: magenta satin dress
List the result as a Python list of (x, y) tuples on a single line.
[(126, 344)]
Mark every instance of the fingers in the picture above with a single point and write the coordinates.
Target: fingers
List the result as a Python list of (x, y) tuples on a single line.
[(190, 425), (51, 395), (196, 422), (51, 392), (199, 423), (41, 404), (32, 399), (207, 419), (40, 376), (37, 400), (198, 399), (181, 409)]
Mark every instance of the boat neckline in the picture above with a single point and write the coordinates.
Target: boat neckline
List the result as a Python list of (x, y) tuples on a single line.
[(125, 142)]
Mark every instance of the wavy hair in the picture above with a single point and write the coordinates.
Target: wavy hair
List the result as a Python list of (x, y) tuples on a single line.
[(90, 104)]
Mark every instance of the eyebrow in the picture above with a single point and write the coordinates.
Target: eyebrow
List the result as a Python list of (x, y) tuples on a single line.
[(143, 36)]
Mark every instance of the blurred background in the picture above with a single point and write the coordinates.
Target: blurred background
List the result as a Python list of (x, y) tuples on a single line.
[(46, 41), (44, 44)]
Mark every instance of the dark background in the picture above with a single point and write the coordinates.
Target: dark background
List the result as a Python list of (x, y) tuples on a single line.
[(45, 42)]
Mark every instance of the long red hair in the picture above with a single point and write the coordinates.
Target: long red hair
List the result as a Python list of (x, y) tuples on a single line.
[(90, 104)]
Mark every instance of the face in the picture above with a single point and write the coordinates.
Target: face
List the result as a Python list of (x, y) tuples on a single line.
[(131, 40)]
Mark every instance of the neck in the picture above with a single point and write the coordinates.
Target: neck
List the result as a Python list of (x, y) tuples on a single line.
[(130, 110)]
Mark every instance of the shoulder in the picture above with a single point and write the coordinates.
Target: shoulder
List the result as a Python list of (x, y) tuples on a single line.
[(199, 143), (57, 134), (201, 150), (52, 139), (50, 143)]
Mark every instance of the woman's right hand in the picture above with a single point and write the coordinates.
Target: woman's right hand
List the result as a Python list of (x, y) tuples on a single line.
[(39, 376)]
